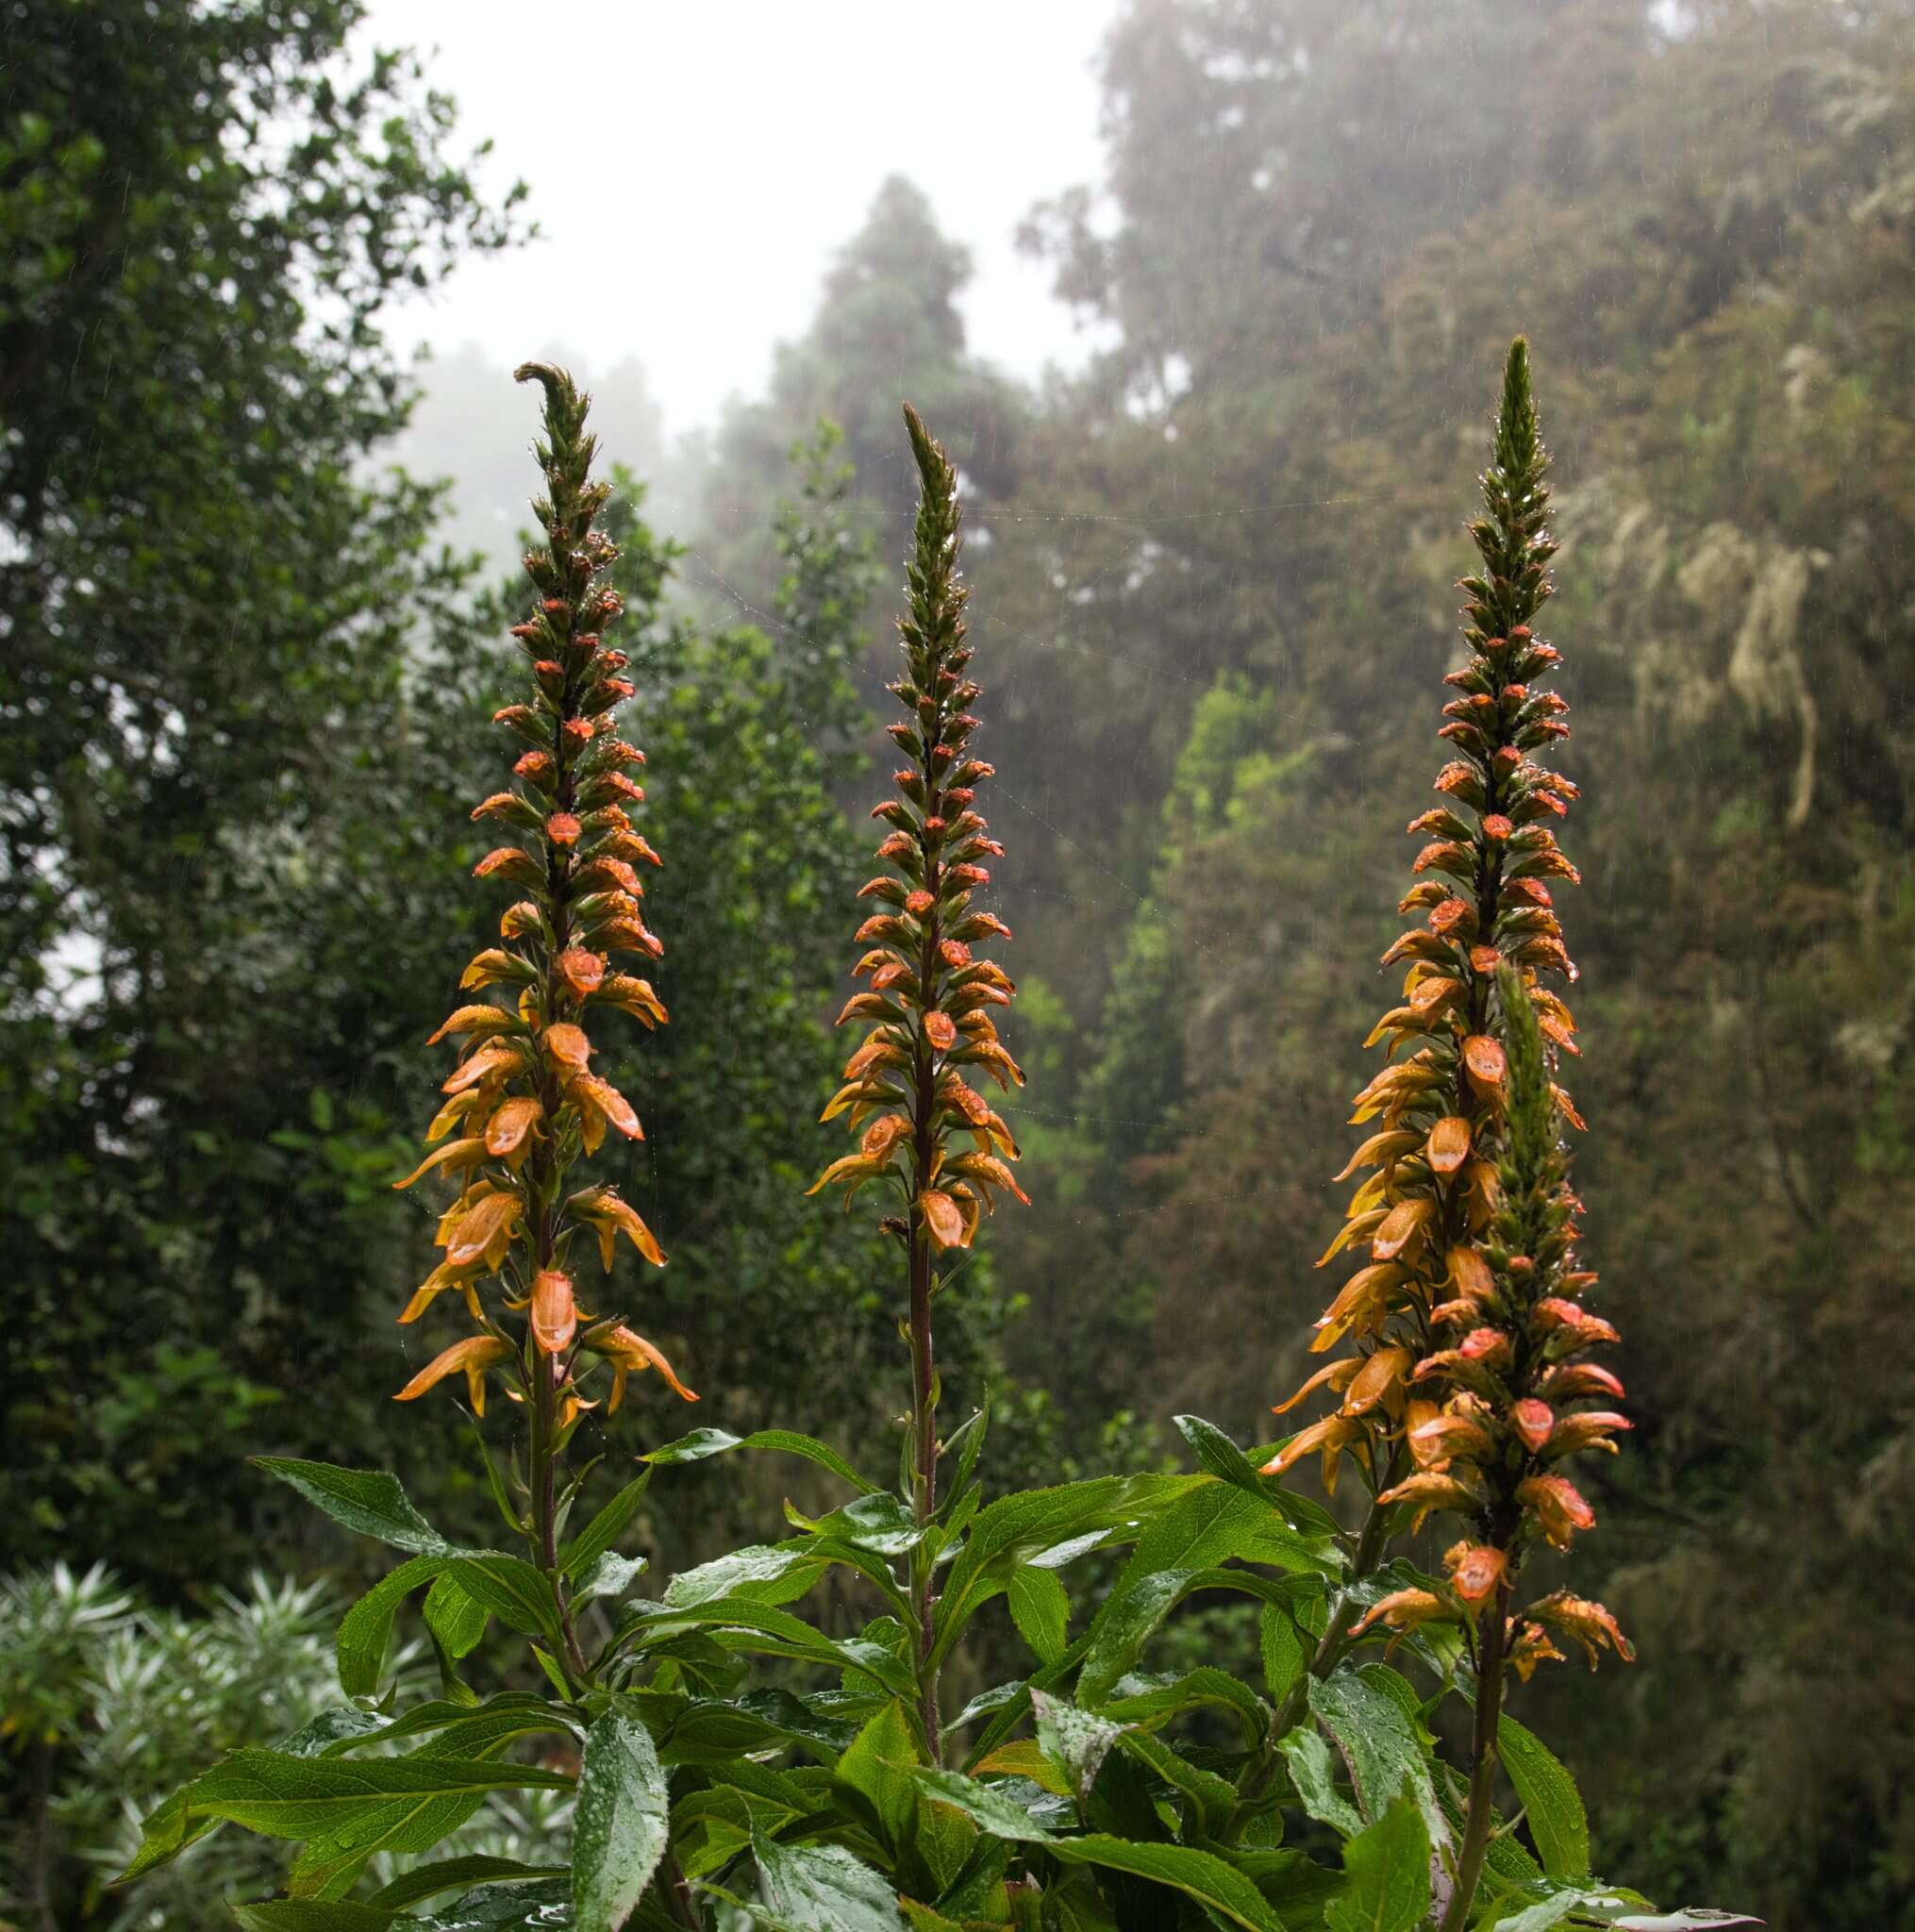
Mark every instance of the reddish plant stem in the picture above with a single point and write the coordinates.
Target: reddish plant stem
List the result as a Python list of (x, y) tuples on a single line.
[(1486, 1758), (924, 1365), (547, 1177)]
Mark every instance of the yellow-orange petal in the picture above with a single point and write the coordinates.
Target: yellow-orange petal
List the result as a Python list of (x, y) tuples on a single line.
[(1449, 1143), (1470, 1274), (555, 1314), (455, 1154), (1532, 1421), (943, 1218), (882, 1135), (490, 1059), (1403, 1609), (475, 1230), (1401, 1228), (1334, 1432), (1486, 1063), (568, 1045), (582, 971), (1336, 1375), (1559, 1507), (855, 1168), (1379, 1150), (613, 1216), (1442, 1438), (510, 1125), (474, 1356), (630, 1352), (483, 1017), (1475, 1570), (605, 1099), (1375, 1382), (1588, 1623)]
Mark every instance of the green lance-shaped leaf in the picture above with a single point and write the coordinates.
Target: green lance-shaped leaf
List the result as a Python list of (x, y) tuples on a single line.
[(877, 1771), (1199, 1874), (620, 1827), (1549, 1903), (453, 1875), (1313, 1771), (1690, 1919), (315, 1915), (512, 1590), (1150, 1708), (1206, 1527), (1552, 1805), (1387, 1870), (1212, 1800), (1224, 1459), (701, 1444), (348, 1807), (366, 1629), (824, 1889), (1284, 1654), (1380, 1744), (1077, 1740), (880, 1523), (479, 1728), (605, 1529), (369, 1501), (989, 1807), (1046, 1527), (535, 1906), (760, 1573), (1041, 1612)]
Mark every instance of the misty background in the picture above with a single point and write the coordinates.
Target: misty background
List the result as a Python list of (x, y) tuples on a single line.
[(1209, 300)]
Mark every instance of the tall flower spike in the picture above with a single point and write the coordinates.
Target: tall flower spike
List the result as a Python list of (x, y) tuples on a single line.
[(1437, 1387), (929, 999), (1466, 1318), (524, 1105)]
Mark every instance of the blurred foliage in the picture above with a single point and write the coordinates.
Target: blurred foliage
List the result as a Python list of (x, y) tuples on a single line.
[(104, 1697), (1214, 577), (206, 606), (888, 325)]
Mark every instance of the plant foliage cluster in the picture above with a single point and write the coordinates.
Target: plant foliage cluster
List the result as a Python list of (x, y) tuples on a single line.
[(731, 1760), (242, 702)]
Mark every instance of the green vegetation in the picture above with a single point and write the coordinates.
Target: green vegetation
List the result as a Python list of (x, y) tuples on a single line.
[(241, 705), (728, 1754)]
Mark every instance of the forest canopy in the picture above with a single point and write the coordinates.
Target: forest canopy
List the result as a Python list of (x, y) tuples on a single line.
[(241, 704)]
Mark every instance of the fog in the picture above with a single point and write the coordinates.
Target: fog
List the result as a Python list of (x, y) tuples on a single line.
[(1229, 315)]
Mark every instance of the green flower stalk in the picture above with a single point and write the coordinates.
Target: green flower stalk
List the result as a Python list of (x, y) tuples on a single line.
[(1466, 1387), (523, 1107), (924, 1132)]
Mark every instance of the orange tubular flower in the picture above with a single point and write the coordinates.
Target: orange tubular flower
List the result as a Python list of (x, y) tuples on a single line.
[(1466, 1226), (523, 1103)]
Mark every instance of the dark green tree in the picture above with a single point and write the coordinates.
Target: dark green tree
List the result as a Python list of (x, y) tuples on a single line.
[(204, 609), (889, 305)]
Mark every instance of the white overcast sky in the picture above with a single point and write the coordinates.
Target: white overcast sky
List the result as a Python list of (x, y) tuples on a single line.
[(712, 154)]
